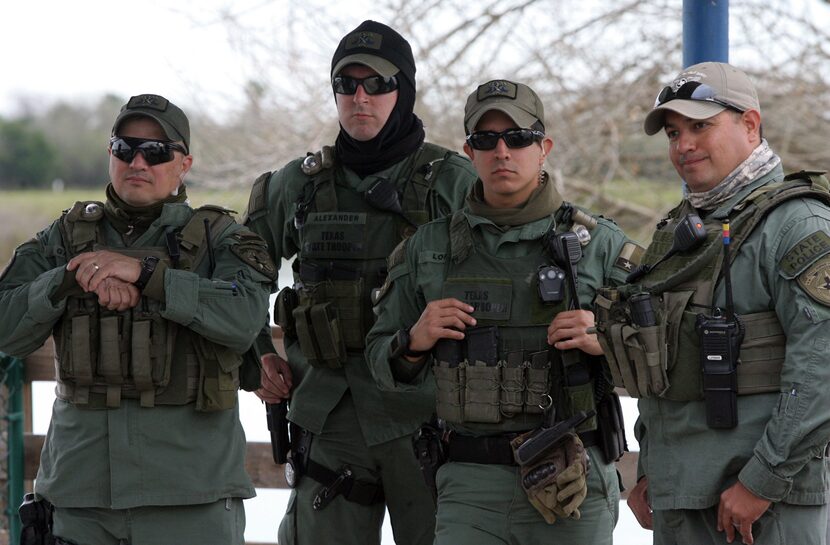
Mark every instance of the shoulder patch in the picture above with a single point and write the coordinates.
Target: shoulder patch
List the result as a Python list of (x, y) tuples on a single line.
[(804, 253), (815, 281), (630, 256), (253, 251), (258, 201)]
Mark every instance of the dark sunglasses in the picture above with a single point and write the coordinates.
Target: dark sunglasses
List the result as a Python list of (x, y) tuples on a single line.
[(155, 152), (514, 138), (373, 85), (693, 90)]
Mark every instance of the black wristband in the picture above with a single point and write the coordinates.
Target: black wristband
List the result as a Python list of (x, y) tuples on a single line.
[(400, 346), (148, 266)]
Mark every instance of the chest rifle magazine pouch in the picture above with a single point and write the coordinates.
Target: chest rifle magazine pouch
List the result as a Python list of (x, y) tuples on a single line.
[(483, 375), (449, 379), (512, 383), (537, 382)]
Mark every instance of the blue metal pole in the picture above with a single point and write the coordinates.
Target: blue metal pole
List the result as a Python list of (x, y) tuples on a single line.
[(13, 369), (705, 31)]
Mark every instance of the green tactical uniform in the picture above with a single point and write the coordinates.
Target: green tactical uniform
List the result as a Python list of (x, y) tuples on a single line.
[(341, 249), (146, 414), (494, 270), (781, 290)]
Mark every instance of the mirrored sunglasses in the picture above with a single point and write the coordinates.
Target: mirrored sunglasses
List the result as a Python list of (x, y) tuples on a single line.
[(693, 90), (155, 152)]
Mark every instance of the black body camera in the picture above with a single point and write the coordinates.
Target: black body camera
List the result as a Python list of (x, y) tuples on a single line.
[(551, 284)]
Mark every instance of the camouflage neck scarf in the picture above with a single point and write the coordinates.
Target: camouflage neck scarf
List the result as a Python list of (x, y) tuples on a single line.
[(761, 161), (127, 218), (544, 201)]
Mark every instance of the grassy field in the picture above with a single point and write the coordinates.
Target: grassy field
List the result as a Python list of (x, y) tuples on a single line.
[(24, 213)]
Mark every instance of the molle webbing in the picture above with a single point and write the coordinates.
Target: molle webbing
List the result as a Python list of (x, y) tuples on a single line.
[(103, 356)]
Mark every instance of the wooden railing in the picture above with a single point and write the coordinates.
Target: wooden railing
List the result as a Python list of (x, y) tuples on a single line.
[(40, 366)]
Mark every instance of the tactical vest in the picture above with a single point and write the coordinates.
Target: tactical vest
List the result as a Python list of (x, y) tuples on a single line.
[(504, 372), (663, 360), (102, 356), (344, 243)]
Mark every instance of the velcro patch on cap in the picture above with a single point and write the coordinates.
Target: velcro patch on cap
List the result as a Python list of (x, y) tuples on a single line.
[(497, 88), (804, 253), (364, 40), (630, 256), (815, 281), (153, 102)]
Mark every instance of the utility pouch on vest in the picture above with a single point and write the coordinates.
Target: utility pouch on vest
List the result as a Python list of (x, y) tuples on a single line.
[(633, 336), (449, 379), (284, 306), (483, 375), (537, 382), (512, 383), (319, 334), (720, 343), (218, 375), (611, 428)]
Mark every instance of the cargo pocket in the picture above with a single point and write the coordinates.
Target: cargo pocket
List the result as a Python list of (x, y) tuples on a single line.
[(218, 376)]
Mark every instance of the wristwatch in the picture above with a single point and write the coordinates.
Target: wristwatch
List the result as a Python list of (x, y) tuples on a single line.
[(400, 346), (148, 265)]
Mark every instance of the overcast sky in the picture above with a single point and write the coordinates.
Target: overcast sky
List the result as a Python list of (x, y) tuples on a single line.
[(83, 49)]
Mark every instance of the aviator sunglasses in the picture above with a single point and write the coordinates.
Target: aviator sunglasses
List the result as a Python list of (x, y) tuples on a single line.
[(373, 85), (514, 138), (693, 90), (155, 152)]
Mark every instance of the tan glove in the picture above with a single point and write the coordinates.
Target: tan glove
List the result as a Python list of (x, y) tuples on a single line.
[(556, 484)]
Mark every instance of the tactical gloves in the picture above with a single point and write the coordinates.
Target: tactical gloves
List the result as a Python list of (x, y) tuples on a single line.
[(556, 484)]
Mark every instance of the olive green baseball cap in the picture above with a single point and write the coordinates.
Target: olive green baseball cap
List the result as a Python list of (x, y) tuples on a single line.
[(702, 91), (377, 46), (517, 100), (172, 119)]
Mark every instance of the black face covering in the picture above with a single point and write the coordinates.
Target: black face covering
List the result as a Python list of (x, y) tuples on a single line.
[(403, 132), (401, 136)]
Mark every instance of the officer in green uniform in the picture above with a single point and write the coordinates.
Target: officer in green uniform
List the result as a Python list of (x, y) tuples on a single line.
[(484, 300), (729, 363), (341, 211), (151, 304)]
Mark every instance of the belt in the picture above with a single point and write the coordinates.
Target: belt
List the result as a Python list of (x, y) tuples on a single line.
[(495, 449)]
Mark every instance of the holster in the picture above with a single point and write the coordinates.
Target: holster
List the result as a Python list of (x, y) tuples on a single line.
[(429, 451), (36, 521), (611, 427)]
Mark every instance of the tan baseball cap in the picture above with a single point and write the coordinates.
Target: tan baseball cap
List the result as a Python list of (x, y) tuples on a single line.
[(517, 100), (702, 91)]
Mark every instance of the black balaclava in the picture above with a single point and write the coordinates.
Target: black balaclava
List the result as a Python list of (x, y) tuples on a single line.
[(403, 132)]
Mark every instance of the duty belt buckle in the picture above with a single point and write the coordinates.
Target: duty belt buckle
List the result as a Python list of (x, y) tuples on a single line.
[(328, 493)]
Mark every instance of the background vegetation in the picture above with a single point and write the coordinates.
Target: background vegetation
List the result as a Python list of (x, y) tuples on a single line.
[(596, 64)]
